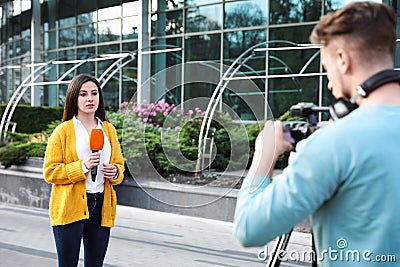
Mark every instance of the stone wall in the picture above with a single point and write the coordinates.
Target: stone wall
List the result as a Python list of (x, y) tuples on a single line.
[(24, 185)]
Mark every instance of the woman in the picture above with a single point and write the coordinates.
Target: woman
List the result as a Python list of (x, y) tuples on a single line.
[(80, 208)]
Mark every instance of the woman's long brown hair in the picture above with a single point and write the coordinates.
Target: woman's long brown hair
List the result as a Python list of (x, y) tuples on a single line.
[(71, 99)]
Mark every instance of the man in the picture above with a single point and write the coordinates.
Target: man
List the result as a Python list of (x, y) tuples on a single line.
[(346, 174)]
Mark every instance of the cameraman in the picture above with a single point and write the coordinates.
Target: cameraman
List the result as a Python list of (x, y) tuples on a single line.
[(347, 174)]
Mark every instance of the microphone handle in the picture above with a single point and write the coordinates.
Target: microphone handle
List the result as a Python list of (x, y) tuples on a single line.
[(93, 171)]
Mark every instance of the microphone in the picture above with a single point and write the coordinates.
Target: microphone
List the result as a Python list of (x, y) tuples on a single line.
[(96, 142)]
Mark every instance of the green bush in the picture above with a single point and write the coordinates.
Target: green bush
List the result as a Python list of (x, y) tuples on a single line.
[(16, 153), (170, 133), (36, 149), (33, 119)]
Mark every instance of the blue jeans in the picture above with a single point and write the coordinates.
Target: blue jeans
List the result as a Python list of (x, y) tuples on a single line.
[(95, 237)]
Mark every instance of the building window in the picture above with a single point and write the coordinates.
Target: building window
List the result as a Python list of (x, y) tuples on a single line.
[(204, 18)]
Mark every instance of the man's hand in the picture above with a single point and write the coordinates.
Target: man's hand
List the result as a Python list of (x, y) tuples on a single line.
[(270, 144)]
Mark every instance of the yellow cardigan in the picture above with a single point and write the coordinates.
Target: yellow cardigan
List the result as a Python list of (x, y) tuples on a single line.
[(63, 169)]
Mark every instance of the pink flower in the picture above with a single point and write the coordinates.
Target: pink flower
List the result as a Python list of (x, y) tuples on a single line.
[(165, 113), (190, 112), (123, 104)]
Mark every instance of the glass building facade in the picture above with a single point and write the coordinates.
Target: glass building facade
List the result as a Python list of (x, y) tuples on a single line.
[(125, 43)]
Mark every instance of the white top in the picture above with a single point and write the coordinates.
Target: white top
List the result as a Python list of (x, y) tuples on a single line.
[(83, 150)]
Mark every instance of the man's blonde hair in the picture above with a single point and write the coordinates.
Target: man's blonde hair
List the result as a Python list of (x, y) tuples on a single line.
[(371, 27)]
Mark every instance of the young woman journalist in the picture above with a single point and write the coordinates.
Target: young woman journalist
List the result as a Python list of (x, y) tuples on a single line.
[(79, 207)]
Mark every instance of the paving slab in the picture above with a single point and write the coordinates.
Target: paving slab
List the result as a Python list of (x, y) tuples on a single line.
[(140, 238)]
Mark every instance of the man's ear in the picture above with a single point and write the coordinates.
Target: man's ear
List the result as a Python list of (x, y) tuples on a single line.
[(343, 60)]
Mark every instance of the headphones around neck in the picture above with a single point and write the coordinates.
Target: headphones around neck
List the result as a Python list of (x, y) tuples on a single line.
[(343, 106)]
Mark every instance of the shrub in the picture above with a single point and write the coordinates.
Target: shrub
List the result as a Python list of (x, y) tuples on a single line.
[(13, 154), (172, 131), (33, 119)]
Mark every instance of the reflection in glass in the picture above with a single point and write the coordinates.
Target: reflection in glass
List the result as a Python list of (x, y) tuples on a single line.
[(205, 18), (111, 92), (235, 43), (17, 47), (109, 13), (25, 46), (26, 33), (199, 2), (67, 37), (67, 22), (105, 49), (86, 34), (131, 9), (85, 53), (332, 5), (62, 92), (171, 58), (162, 61), (282, 94), (294, 11), (50, 92), (130, 27), (16, 8), (195, 90), (244, 14), (285, 92), (50, 40), (246, 98), (50, 56), (104, 64), (295, 34), (167, 23), (68, 54), (161, 5), (87, 17), (109, 30), (129, 81), (129, 47), (203, 47)]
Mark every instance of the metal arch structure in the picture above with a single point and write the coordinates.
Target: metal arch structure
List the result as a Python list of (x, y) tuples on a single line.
[(42, 68), (229, 76)]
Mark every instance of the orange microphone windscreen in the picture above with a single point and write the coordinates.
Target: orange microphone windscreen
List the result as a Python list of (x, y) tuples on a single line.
[(96, 139)]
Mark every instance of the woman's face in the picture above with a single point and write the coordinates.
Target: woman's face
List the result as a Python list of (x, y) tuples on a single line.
[(88, 99)]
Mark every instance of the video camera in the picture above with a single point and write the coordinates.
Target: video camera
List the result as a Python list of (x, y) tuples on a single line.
[(300, 130)]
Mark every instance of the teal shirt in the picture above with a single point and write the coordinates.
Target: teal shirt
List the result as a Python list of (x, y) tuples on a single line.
[(347, 176)]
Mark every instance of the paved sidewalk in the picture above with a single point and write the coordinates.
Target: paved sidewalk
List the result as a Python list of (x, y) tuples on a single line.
[(140, 238)]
